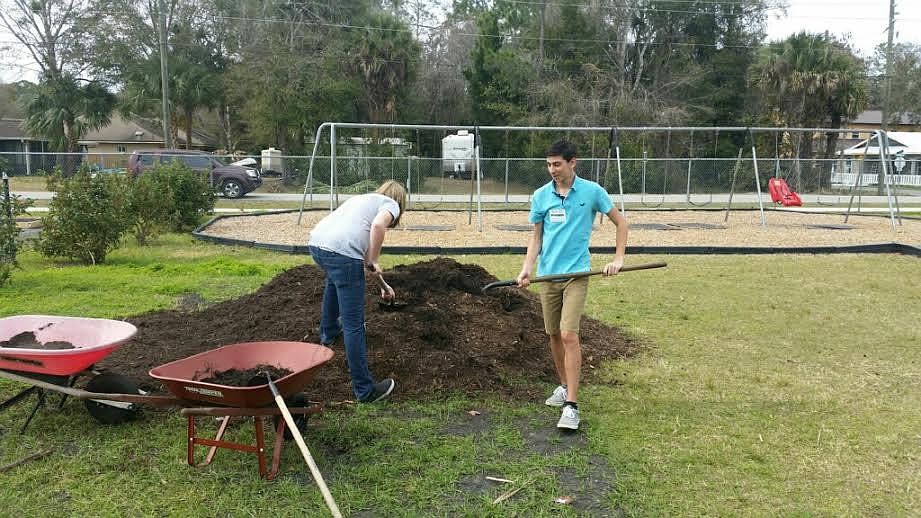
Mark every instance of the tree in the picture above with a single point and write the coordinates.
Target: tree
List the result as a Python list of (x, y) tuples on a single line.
[(905, 91), (127, 51), (65, 108), (65, 104), (384, 55), (810, 80)]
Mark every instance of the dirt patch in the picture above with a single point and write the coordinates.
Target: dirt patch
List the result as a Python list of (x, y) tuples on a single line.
[(247, 377), (27, 340), (589, 489), (451, 337)]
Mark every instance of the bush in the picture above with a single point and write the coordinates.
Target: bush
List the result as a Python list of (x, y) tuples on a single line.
[(8, 232), (191, 193), (86, 218), (151, 207)]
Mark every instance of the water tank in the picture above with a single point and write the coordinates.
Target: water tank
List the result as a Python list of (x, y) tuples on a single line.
[(272, 161)]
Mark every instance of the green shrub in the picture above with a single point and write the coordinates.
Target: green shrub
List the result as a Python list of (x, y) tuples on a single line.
[(192, 194), (151, 207), (86, 218), (8, 232)]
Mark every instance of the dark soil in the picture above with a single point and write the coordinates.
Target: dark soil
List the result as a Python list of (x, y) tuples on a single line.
[(27, 340), (449, 337), (246, 378)]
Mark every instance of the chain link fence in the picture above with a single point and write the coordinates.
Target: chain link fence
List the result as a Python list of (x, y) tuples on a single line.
[(654, 167)]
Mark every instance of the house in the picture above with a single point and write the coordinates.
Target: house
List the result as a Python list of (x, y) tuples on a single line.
[(864, 156), (16, 146), (869, 121), (111, 145)]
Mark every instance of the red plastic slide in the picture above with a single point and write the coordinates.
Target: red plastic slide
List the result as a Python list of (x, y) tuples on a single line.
[(781, 193)]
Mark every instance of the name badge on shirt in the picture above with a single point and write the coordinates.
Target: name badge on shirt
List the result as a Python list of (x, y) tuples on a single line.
[(557, 215)]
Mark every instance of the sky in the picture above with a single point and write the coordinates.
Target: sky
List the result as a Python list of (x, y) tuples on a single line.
[(863, 22)]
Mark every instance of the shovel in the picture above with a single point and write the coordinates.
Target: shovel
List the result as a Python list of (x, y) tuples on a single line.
[(299, 439), (387, 305), (566, 276)]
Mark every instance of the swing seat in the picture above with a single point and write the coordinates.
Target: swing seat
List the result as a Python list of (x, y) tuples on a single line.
[(781, 193)]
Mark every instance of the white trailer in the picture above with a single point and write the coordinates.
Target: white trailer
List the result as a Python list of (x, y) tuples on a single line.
[(457, 155)]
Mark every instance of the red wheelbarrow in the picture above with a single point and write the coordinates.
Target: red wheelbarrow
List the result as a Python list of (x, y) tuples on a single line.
[(112, 398), (25, 358), (183, 378)]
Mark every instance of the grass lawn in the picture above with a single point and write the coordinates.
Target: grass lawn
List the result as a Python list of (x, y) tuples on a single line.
[(771, 385)]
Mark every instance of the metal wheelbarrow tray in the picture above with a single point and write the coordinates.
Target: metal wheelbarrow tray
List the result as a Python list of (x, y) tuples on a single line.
[(183, 377), (93, 340)]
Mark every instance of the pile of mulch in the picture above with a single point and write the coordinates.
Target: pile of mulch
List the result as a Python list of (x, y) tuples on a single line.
[(449, 337)]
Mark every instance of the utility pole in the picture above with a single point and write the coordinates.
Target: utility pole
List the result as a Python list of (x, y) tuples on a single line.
[(888, 89), (164, 78)]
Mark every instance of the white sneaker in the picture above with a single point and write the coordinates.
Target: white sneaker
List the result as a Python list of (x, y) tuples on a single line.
[(557, 398), (570, 419)]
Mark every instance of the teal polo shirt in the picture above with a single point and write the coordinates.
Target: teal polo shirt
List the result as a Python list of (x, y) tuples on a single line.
[(567, 224)]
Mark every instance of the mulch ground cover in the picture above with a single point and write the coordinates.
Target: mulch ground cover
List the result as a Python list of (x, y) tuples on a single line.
[(449, 337)]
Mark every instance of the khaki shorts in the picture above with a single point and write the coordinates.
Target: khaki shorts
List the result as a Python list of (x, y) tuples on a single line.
[(563, 303)]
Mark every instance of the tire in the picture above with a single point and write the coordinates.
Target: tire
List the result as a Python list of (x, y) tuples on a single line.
[(232, 189), (296, 401), (111, 384)]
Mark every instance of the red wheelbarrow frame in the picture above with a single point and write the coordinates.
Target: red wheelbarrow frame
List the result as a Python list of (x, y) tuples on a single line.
[(182, 379), (299, 357)]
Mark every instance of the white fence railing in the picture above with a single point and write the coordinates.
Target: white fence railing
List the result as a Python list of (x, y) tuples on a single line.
[(848, 179)]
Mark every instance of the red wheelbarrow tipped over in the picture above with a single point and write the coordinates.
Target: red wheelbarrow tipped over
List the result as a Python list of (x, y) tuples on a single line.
[(183, 377)]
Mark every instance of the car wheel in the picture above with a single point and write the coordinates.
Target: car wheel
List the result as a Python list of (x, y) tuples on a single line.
[(232, 189)]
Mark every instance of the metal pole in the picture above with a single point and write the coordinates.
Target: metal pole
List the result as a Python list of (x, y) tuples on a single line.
[(164, 80), (309, 183), (884, 157), (6, 196), (479, 197), (888, 95), (732, 184), (332, 168), (758, 183), (409, 179), (506, 178), (859, 179)]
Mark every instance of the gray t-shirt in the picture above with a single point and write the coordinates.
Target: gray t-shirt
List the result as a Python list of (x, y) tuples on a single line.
[(347, 230)]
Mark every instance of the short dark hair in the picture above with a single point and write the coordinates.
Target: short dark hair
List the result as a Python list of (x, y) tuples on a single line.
[(563, 148)]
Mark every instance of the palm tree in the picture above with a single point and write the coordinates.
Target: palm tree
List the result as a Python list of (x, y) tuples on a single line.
[(385, 56), (810, 80), (65, 108)]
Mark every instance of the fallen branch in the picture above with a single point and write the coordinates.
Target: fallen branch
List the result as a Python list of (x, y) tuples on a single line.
[(511, 493), (34, 456)]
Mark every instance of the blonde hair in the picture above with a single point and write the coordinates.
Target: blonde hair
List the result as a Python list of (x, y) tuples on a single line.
[(396, 192)]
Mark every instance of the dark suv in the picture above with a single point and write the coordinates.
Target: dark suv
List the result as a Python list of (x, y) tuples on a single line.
[(233, 181)]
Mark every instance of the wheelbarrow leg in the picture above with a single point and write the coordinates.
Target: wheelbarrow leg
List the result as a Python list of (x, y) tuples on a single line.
[(18, 397), (38, 404)]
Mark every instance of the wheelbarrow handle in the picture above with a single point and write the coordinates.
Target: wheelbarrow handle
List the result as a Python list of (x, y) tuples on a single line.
[(562, 276)]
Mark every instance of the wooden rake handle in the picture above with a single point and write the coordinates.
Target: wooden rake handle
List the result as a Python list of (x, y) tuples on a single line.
[(564, 276)]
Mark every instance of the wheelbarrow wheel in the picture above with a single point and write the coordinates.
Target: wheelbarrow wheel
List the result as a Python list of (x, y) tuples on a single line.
[(110, 383), (295, 401)]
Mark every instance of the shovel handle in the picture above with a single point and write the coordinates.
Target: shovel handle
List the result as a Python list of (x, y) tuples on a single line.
[(299, 439), (562, 276)]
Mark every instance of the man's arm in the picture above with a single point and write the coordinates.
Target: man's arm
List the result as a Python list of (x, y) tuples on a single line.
[(622, 229), (534, 244)]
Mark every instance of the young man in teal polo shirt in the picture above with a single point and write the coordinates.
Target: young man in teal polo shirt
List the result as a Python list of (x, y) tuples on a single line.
[(562, 212)]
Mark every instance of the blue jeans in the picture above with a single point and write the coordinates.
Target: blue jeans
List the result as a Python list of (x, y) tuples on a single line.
[(344, 300)]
